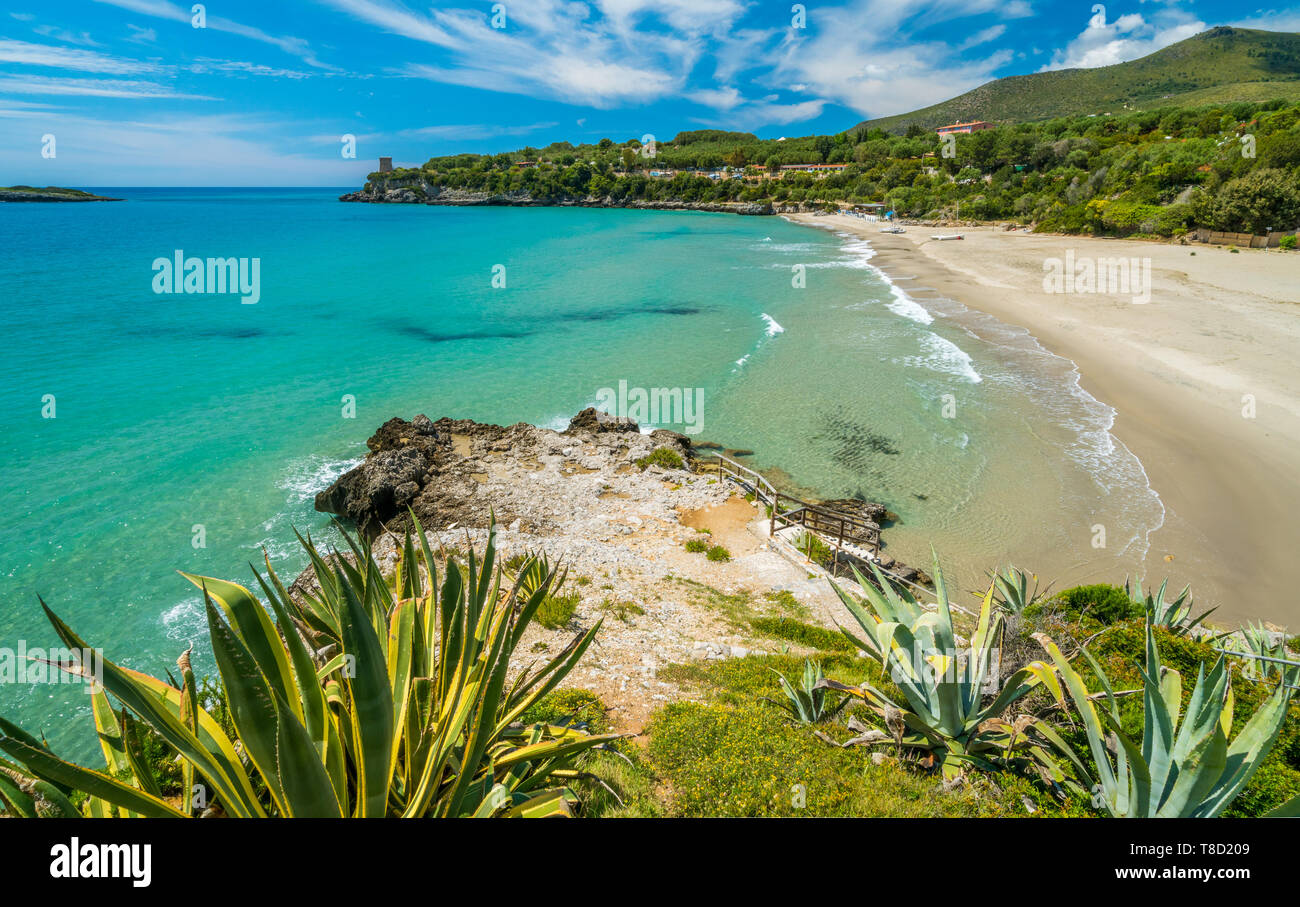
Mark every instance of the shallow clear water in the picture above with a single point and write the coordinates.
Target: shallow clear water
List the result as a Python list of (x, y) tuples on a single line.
[(177, 411)]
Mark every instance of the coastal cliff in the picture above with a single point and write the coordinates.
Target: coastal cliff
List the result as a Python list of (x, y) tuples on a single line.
[(404, 191)]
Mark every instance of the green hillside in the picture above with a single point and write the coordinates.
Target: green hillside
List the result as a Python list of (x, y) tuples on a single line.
[(1218, 66)]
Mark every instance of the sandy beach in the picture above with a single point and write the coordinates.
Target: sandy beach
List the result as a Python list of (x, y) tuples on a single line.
[(1220, 333)]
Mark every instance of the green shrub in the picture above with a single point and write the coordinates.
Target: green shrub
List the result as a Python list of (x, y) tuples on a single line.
[(1273, 784), (624, 611), (718, 553), (696, 546), (662, 456), (556, 610), (786, 603), (1101, 602), (801, 633), (1287, 242), (569, 706), (743, 761), (815, 549), (1121, 653)]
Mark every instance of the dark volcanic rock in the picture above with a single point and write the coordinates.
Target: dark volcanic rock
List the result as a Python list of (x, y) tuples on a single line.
[(396, 433), (662, 437), (378, 490), (592, 420), (401, 455)]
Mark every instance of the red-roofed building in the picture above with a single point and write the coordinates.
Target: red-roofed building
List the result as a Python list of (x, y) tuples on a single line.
[(955, 128)]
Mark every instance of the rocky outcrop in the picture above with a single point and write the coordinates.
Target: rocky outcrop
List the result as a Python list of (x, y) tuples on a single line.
[(593, 421), (863, 510), (457, 472), (401, 456)]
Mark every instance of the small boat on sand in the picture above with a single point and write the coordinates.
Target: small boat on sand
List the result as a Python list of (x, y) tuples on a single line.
[(892, 230), (946, 236)]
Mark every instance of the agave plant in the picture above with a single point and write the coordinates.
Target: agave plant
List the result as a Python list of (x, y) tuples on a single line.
[(952, 711), (360, 700), (534, 570), (1288, 810), (1013, 593), (1184, 766), (806, 703), (1175, 616), (1263, 655)]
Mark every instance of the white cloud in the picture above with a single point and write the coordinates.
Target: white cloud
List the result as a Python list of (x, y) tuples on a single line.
[(141, 35), (217, 150), (551, 49), (992, 33), (717, 98), (394, 19), (205, 65), (1271, 20), (160, 9), (1129, 37), (687, 16), (164, 9), (474, 132), (62, 34), (91, 88), (755, 115), (30, 54), (863, 55)]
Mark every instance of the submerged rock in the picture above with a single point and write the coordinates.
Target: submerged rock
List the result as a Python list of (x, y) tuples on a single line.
[(865, 510)]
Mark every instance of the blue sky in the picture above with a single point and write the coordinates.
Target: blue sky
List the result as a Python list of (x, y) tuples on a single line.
[(136, 95)]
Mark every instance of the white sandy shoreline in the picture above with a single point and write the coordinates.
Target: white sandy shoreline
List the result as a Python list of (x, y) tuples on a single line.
[(1220, 329)]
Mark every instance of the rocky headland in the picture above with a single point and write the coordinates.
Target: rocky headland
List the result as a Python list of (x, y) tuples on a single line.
[(423, 193), (589, 499), (407, 190)]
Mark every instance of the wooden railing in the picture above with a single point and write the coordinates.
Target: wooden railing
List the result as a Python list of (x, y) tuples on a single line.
[(786, 510), (835, 528)]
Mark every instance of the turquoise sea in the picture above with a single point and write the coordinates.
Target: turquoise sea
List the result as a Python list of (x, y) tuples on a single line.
[(179, 415)]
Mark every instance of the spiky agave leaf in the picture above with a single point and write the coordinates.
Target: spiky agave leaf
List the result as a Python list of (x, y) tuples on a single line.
[(947, 688), (360, 700), (1184, 766)]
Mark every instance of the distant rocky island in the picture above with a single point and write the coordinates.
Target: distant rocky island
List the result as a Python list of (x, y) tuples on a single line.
[(50, 194)]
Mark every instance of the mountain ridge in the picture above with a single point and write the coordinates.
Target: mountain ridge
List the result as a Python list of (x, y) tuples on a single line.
[(1216, 65)]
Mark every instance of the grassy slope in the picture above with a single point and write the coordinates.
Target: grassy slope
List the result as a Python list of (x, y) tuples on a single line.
[(1216, 66), (725, 751)]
